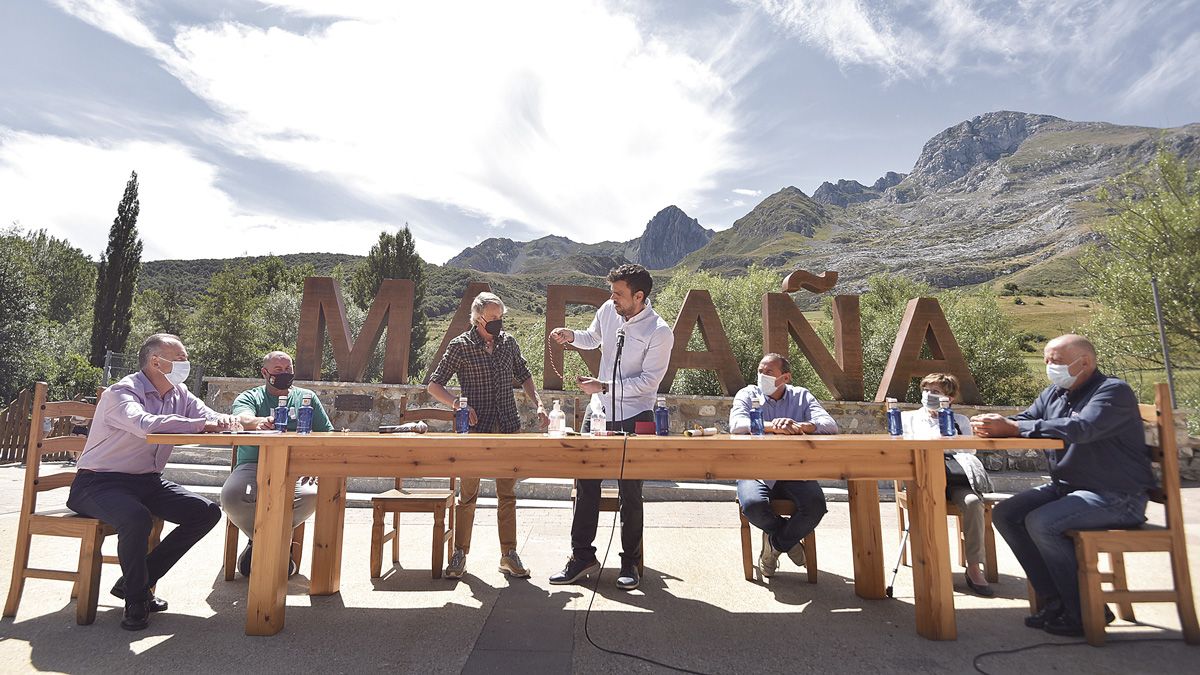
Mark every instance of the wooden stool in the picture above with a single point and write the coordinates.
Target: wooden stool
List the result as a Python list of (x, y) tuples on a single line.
[(991, 570), (781, 507), (397, 501), (610, 502)]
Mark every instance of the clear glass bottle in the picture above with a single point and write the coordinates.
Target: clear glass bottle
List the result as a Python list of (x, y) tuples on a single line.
[(558, 421)]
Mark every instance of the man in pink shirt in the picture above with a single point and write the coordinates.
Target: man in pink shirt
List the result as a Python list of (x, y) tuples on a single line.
[(119, 479)]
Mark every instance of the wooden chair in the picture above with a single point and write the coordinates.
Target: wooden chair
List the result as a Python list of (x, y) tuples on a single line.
[(610, 502), (399, 500), (232, 532), (990, 569), (90, 531), (1170, 539), (782, 507)]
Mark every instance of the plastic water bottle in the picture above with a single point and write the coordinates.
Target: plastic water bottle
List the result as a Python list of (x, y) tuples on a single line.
[(304, 416), (281, 414), (946, 418), (756, 417), (462, 417), (558, 422), (894, 425), (599, 422), (662, 418)]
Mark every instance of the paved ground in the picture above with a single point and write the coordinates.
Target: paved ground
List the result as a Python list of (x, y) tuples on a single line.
[(694, 610)]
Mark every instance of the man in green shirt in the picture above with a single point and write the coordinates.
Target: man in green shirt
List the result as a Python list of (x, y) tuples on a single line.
[(239, 496)]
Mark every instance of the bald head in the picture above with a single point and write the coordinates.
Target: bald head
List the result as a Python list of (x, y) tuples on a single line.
[(1075, 351)]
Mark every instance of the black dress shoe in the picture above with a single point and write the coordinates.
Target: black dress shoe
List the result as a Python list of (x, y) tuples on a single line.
[(575, 570), (137, 616), (243, 562), (1066, 625), (156, 603), (982, 591), (1049, 611)]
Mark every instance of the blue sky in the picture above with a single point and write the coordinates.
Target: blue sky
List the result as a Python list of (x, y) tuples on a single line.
[(310, 125)]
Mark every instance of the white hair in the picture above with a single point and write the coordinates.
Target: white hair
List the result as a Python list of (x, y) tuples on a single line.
[(483, 300)]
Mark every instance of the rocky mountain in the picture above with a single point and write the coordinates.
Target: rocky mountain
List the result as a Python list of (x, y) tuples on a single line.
[(1003, 196), (847, 192), (669, 236)]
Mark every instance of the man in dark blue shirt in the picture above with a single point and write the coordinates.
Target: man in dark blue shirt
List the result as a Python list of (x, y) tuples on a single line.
[(1099, 481)]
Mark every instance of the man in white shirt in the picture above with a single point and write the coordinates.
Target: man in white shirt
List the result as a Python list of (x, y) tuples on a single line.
[(628, 326)]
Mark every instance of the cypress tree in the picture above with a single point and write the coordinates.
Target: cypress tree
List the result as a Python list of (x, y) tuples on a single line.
[(117, 278)]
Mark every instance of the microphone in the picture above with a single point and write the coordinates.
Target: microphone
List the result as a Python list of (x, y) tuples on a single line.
[(620, 338), (616, 365)]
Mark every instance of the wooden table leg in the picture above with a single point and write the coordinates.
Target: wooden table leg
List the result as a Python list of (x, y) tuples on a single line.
[(932, 584), (327, 536), (272, 542), (867, 538)]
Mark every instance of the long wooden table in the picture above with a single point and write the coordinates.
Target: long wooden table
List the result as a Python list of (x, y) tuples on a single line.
[(860, 459)]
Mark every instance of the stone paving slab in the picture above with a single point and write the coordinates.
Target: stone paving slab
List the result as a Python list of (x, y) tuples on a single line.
[(694, 610)]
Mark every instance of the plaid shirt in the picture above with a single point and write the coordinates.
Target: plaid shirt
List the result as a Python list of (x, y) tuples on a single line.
[(487, 380)]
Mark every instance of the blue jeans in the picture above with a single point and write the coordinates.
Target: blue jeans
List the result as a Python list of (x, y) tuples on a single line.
[(1034, 524), (755, 499)]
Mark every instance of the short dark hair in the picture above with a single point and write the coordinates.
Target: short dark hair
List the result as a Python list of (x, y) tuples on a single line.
[(784, 366), (635, 275)]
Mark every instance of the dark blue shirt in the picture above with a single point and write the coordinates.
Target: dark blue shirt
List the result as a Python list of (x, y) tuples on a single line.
[(1102, 428)]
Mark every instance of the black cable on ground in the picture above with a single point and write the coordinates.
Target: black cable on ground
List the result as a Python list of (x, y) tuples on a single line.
[(587, 615), (998, 652)]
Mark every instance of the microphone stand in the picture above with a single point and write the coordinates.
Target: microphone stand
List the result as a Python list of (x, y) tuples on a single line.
[(612, 390)]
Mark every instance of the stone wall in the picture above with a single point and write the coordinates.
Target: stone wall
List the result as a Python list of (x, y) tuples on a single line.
[(359, 406)]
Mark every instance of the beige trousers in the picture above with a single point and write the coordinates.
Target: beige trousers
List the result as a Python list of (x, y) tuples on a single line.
[(971, 506), (506, 513)]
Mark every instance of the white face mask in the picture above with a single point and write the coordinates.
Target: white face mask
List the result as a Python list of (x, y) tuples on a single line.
[(179, 372), (1060, 375), (929, 399), (766, 383)]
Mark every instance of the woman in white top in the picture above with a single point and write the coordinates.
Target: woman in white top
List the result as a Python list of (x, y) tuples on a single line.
[(966, 479)]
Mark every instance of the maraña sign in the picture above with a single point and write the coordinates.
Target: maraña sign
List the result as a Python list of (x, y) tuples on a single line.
[(323, 311)]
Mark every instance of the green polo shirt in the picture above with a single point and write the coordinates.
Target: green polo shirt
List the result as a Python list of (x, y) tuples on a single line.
[(259, 403)]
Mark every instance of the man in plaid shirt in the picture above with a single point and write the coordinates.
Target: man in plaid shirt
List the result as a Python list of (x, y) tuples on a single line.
[(488, 363)]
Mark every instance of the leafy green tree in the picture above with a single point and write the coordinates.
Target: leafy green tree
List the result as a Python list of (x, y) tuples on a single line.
[(18, 320), (394, 256), (228, 340), (64, 276), (1154, 231), (117, 278)]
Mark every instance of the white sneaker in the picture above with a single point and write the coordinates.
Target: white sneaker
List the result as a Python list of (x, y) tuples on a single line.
[(510, 564), (768, 560), (457, 564), (797, 554)]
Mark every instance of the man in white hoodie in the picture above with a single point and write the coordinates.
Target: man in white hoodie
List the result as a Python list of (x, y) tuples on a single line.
[(628, 326)]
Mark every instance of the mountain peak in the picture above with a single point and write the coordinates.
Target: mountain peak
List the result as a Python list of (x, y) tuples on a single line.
[(788, 210), (669, 236), (981, 140)]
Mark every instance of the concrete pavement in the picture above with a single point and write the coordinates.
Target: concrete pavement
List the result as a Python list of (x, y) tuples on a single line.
[(694, 610)]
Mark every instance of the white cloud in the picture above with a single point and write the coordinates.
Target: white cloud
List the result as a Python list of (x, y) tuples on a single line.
[(72, 188), (1080, 42), (746, 192), (1173, 69), (558, 114)]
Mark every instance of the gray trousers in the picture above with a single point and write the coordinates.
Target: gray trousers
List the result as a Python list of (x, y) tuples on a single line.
[(239, 498), (971, 505)]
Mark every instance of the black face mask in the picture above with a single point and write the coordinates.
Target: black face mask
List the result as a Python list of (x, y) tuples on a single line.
[(281, 381), (493, 328)]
